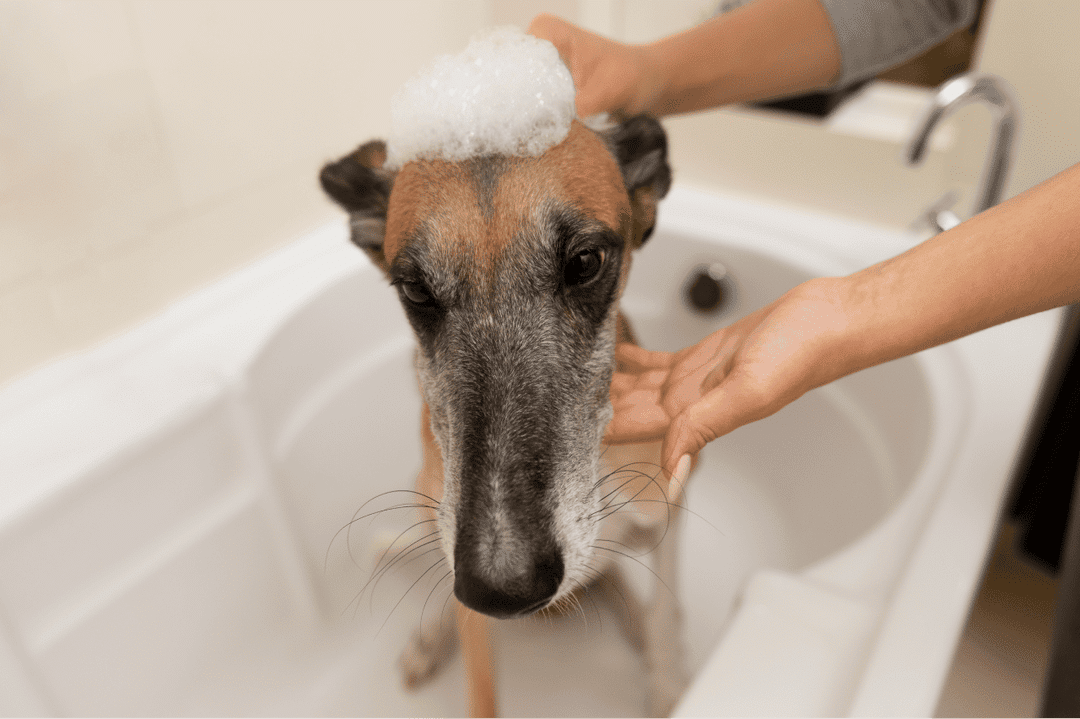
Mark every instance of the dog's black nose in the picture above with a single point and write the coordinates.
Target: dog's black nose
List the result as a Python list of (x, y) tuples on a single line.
[(508, 597)]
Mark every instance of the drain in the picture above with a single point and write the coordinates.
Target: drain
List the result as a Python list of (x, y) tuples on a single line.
[(708, 288)]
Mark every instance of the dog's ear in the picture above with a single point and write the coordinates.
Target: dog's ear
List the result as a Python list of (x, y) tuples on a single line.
[(640, 147), (361, 184)]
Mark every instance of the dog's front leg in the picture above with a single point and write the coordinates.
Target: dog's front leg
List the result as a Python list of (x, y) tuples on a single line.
[(431, 646), (429, 651), (474, 633), (664, 655)]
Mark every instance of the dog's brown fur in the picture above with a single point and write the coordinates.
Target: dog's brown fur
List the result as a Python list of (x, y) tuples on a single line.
[(578, 171)]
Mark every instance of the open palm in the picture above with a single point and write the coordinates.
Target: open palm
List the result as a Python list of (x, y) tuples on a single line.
[(736, 375)]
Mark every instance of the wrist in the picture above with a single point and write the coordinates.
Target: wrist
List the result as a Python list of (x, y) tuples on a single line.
[(684, 72), (838, 318), (653, 79)]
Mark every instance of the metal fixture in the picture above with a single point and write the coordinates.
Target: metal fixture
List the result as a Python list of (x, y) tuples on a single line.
[(996, 94), (708, 288)]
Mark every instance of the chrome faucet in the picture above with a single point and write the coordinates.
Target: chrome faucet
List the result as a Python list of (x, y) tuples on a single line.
[(999, 96)]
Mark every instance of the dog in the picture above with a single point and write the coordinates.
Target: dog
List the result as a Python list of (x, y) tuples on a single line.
[(510, 271)]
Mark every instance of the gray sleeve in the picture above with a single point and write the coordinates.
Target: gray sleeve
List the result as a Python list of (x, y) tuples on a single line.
[(875, 35)]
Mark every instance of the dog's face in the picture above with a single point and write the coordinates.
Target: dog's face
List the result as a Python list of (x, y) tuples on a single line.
[(510, 270)]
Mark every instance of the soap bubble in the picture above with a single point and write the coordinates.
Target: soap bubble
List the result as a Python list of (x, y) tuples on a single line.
[(507, 93)]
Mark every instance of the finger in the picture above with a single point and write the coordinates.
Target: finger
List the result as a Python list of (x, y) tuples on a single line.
[(722, 410), (622, 383), (677, 481), (615, 434), (631, 358), (717, 374), (598, 95), (644, 387), (604, 83), (637, 424), (586, 105), (548, 27), (685, 436), (568, 39)]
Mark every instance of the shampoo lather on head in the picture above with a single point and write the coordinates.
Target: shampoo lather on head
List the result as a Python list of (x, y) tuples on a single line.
[(507, 93)]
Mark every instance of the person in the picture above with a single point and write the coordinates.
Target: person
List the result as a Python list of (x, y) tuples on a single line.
[(1017, 258)]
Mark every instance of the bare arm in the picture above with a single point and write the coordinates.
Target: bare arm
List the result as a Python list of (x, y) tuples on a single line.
[(1020, 257), (1017, 258), (765, 49)]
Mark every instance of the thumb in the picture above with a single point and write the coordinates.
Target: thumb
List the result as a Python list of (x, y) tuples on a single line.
[(722, 409), (597, 92), (687, 435)]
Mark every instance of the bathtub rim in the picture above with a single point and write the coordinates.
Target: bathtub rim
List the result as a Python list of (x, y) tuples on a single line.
[(326, 253), (935, 583)]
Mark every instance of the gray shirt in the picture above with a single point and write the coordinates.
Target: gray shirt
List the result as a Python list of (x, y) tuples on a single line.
[(875, 35)]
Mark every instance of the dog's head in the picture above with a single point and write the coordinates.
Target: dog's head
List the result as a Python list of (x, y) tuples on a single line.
[(510, 270)]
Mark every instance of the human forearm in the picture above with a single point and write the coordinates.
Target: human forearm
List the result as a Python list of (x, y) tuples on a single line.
[(765, 49), (1017, 258)]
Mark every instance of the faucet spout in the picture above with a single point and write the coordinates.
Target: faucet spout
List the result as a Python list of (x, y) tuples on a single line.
[(998, 95)]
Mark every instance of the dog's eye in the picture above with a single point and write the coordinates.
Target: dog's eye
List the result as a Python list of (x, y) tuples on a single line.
[(415, 292), (583, 266)]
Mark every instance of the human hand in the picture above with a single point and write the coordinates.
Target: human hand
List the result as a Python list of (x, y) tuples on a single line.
[(609, 76), (736, 375)]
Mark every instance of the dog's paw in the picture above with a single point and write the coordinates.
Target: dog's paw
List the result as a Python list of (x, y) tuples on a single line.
[(667, 680), (426, 654), (661, 702), (380, 549), (613, 588)]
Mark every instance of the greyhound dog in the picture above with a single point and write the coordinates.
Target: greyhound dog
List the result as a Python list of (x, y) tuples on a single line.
[(510, 271)]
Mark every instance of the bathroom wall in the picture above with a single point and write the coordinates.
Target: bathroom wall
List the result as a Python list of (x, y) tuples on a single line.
[(1034, 47), (149, 147)]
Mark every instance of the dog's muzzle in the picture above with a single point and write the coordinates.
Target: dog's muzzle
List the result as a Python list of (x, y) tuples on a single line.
[(504, 596)]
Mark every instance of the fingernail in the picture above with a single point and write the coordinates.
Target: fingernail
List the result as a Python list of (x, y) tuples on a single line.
[(682, 469)]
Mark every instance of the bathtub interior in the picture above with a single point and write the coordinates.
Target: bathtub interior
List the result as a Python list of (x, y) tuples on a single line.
[(201, 568), (838, 472)]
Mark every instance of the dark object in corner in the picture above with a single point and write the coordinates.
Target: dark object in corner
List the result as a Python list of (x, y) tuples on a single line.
[(1047, 470), (1047, 510), (1061, 692), (817, 104)]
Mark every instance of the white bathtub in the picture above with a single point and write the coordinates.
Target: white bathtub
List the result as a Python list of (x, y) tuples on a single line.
[(170, 502)]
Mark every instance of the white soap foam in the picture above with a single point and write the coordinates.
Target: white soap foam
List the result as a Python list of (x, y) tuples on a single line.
[(507, 93)]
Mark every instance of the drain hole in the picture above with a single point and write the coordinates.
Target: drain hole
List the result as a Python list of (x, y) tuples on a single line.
[(708, 289)]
